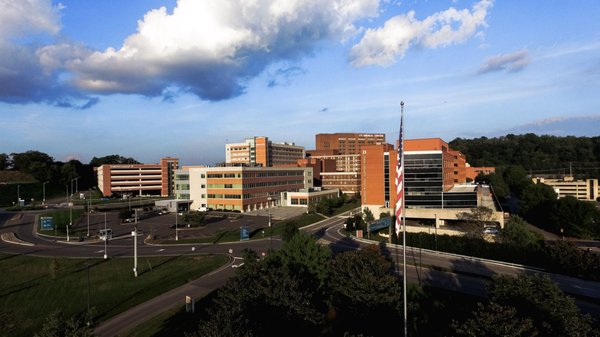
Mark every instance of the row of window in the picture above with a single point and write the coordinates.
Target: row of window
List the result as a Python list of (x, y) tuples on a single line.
[(182, 187), (223, 175), (225, 207), (238, 196), (296, 201), (223, 186), (224, 196), (254, 174)]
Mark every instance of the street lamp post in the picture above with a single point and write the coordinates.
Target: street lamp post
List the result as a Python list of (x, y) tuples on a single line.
[(135, 235), (176, 216), (435, 224), (270, 228), (105, 238), (44, 192), (88, 212), (70, 217)]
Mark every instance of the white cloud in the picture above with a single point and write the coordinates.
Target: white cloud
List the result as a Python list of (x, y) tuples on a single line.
[(20, 17), (211, 47), (383, 45), (511, 62), (29, 73)]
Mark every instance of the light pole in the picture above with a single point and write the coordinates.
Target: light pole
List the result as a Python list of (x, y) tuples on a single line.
[(176, 216), (19, 195), (88, 212), (135, 235), (435, 224), (270, 228), (105, 238), (44, 192), (70, 217)]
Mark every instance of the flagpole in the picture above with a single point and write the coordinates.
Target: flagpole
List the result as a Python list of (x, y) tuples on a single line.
[(400, 216), (403, 220)]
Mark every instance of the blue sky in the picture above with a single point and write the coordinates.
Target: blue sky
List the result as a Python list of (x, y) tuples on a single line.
[(149, 78)]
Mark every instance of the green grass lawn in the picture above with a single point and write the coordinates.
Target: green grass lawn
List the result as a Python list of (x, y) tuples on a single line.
[(61, 219), (32, 287), (234, 235)]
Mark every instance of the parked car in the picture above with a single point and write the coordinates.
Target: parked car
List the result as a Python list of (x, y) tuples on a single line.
[(490, 230)]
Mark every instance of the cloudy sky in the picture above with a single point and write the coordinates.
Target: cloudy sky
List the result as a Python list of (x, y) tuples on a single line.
[(154, 78)]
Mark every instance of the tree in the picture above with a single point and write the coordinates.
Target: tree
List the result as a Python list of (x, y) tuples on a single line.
[(325, 206), (516, 233), (577, 218), (533, 152), (565, 257), (289, 230), (368, 215), (355, 222), (495, 320), (306, 259), (535, 198), (112, 159), (538, 299), (56, 325), (69, 171), (33, 162), (288, 286), (365, 289), (4, 161), (515, 177), (497, 182), (476, 219)]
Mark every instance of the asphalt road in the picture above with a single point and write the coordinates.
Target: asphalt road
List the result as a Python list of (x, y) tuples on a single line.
[(453, 272)]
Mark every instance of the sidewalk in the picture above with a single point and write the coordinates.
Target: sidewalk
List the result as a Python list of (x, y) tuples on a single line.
[(198, 288)]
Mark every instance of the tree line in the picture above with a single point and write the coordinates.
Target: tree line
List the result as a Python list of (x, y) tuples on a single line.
[(539, 205), (536, 154), (37, 168)]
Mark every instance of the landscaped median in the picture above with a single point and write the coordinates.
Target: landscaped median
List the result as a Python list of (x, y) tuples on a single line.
[(37, 286)]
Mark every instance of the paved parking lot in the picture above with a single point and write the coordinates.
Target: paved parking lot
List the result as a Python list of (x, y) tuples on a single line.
[(162, 226)]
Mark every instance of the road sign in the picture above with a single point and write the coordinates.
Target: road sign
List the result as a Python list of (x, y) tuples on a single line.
[(46, 223), (244, 233), (379, 224)]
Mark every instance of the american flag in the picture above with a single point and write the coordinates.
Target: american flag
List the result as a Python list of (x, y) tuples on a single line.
[(400, 174)]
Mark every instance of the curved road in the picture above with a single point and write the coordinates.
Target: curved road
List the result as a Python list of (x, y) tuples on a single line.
[(454, 272)]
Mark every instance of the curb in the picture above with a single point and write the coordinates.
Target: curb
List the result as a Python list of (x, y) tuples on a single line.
[(11, 238)]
